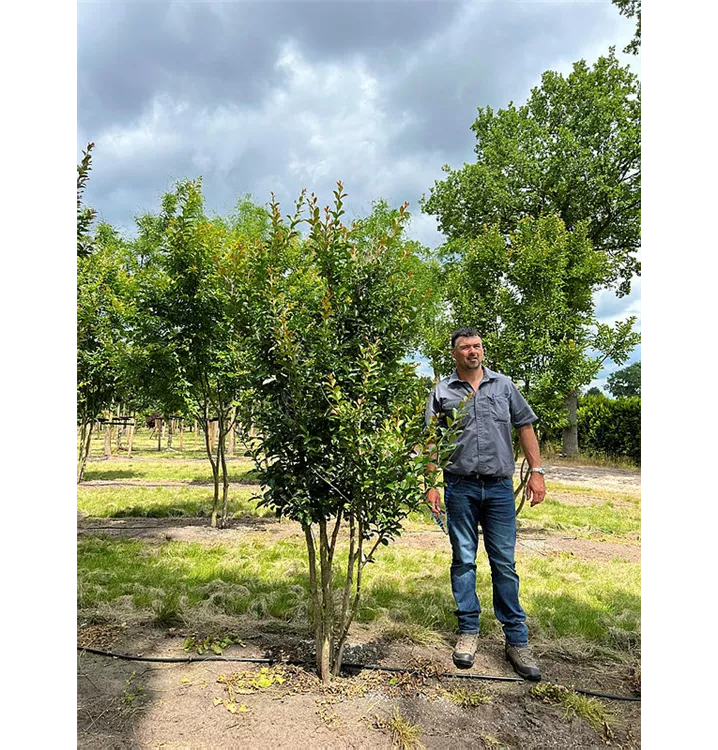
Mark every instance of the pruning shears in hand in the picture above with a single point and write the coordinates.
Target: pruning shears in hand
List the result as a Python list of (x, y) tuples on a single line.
[(440, 518)]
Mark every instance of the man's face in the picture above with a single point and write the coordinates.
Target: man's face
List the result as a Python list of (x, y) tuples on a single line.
[(468, 352)]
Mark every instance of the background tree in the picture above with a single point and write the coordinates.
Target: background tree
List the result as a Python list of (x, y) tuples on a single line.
[(187, 353), (626, 382), (103, 304), (425, 272), (631, 9), (329, 319), (532, 300), (572, 150)]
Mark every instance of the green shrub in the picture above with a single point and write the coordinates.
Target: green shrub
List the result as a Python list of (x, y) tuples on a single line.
[(609, 426)]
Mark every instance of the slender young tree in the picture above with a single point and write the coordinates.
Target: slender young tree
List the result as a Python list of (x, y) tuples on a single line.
[(329, 319)]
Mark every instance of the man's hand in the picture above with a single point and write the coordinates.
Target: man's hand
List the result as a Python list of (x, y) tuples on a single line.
[(433, 498), (536, 488)]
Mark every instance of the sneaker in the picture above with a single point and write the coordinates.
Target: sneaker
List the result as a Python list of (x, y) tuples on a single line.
[(465, 650), (523, 662)]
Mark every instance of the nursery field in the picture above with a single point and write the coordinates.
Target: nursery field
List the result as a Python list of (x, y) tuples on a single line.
[(155, 581)]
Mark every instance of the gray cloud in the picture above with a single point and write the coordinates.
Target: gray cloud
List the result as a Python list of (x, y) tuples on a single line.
[(261, 97)]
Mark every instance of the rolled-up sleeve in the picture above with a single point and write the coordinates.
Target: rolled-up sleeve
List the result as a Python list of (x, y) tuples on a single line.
[(521, 413)]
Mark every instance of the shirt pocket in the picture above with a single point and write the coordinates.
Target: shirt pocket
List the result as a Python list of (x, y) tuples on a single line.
[(499, 408), (459, 405)]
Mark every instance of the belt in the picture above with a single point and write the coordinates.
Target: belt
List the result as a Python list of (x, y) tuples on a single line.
[(476, 477)]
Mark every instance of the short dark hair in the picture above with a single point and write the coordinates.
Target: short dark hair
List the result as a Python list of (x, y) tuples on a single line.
[(463, 332)]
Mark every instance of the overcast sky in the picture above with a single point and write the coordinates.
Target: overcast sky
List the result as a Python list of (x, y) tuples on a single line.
[(280, 96)]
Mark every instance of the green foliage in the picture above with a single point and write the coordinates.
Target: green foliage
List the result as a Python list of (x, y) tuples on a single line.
[(532, 300), (329, 320), (185, 353), (611, 427), (85, 215), (626, 382), (188, 352), (103, 305), (629, 9), (573, 149)]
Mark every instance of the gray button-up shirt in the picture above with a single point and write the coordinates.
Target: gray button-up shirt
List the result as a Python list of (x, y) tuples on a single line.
[(484, 444)]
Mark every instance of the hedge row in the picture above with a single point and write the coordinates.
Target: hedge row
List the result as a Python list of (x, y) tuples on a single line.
[(609, 426)]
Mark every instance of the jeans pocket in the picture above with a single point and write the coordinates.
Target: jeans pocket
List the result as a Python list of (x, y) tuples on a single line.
[(508, 482)]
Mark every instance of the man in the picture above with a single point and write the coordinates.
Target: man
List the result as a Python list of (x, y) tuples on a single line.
[(479, 492)]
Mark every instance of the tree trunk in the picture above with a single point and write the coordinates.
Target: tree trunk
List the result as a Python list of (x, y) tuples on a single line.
[(223, 463), (215, 471), (231, 440), (108, 439), (85, 439), (212, 434), (181, 429), (570, 433), (130, 432), (327, 608), (170, 432), (315, 596), (159, 427), (118, 434)]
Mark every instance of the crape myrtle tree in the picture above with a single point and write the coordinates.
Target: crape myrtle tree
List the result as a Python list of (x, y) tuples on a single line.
[(187, 351), (574, 150), (531, 296), (329, 317), (104, 302)]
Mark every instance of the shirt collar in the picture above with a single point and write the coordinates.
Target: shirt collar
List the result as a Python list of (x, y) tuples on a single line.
[(488, 375)]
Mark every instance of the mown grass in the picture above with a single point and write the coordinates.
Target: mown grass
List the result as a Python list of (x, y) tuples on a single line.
[(406, 592), (240, 470), (598, 603), (144, 446), (588, 521), (162, 502), (616, 515)]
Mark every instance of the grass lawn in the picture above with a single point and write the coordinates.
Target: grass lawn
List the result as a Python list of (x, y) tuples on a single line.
[(406, 592)]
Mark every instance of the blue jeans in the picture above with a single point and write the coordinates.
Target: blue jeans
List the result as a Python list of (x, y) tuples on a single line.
[(487, 502)]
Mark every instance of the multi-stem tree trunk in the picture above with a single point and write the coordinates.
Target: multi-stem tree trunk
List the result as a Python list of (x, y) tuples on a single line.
[(570, 433), (331, 628)]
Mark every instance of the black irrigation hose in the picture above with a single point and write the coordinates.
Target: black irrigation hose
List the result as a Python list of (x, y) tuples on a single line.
[(345, 665)]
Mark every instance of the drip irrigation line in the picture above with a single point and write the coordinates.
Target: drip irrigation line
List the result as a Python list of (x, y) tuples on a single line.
[(345, 665), (176, 659)]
